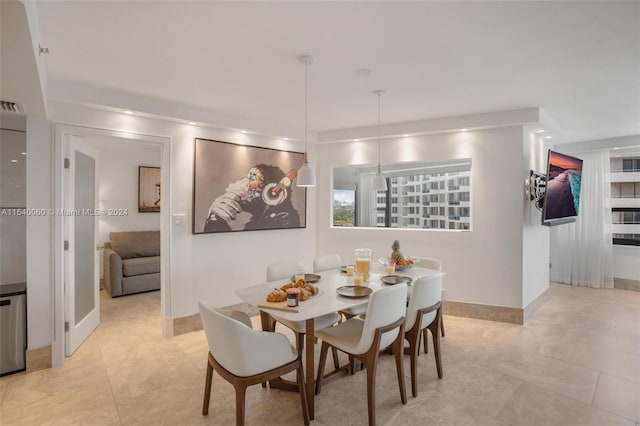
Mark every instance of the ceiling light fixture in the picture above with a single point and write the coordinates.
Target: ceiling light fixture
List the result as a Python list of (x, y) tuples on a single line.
[(285, 139), (547, 137), (463, 130), (405, 135), (243, 131), (379, 182), (193, 123), (306, 175), (128, 112), (540, 131)]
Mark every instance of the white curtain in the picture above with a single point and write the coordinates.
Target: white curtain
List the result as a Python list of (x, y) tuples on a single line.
[(582, 252), (366, 201)]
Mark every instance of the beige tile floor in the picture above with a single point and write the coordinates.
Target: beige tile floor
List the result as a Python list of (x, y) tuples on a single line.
[(576, 362)]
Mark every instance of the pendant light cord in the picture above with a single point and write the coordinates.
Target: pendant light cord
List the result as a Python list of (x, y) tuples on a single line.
[(379, 95), (306, 65)]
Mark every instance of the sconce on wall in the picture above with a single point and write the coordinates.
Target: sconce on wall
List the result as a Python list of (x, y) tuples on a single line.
[(536, 188)]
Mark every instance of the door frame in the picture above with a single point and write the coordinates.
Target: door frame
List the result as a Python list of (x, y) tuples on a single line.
[(63, 133)]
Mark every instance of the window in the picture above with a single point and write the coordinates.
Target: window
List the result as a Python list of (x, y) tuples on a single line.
[(410, 201), (344, 207), (625, 193)]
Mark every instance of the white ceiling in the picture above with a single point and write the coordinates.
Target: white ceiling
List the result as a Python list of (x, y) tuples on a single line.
[(578, 61)]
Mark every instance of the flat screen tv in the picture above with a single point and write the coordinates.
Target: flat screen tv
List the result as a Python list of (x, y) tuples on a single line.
[(562, 196)]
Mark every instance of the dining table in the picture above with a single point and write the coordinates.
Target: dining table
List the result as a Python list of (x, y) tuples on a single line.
[(325, 302)]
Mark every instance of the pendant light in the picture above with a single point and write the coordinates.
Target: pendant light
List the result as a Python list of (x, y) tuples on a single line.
[(306, 175), (379, 182)]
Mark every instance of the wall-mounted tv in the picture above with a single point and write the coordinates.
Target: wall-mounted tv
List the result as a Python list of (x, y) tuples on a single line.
[(562, 196)]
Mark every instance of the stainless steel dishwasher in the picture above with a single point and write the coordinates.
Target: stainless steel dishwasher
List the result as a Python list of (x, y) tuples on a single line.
[(13, 328)]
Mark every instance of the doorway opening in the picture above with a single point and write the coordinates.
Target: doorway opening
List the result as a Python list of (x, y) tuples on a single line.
[(120, 210)]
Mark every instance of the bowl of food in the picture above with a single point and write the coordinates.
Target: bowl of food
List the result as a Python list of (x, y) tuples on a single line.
[(400, 265)]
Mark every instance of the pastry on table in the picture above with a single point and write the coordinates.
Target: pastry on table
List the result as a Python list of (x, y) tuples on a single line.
[(277, 295)]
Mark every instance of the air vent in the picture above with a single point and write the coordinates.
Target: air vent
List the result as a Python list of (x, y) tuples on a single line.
[(12, 107)]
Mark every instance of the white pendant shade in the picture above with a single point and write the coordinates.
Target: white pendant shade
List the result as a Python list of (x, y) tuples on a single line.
[(379, 182), (306, 176)]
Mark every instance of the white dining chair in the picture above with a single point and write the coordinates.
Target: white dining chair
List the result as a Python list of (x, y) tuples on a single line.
[(423, 313), (333, 261), (364, 339), (245, 357), (284, 270), (326, 262), (431, 263)]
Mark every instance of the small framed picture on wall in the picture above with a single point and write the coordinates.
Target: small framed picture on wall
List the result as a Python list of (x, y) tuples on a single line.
[(148, 189)]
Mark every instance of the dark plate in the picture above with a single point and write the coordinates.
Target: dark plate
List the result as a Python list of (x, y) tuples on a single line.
[(343, 268), (395, 279), (354, 291), (310, 278)]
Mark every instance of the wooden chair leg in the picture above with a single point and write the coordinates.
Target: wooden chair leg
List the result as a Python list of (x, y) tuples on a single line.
[(334, 353), (299, 343), (441, 325), (303, 394), (414, 350), (434, 328), (207, 389), (399, 353), (321, 363), (241, 390), (371, 367), (425, 340)]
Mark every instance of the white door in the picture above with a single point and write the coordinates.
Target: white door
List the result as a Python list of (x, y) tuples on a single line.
[(82, 291)]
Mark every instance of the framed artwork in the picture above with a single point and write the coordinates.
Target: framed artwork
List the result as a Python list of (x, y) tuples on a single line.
[(148, 189), (245, 188)]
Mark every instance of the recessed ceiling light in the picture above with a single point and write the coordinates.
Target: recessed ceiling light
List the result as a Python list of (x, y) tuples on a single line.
[(243, 131), (616, 147), (540, 131), (285, 139), (128, 112), (463, 130), (23, 153), (406, 136), (14, 161), (356, 140), (193, 123), (547, 137)]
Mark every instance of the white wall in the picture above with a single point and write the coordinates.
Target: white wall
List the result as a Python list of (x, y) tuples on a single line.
[(535, 237), (209, 266), (483, 266), (39, 233)]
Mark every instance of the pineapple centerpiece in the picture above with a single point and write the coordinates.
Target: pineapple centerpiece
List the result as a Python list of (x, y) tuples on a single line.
[(398, 258), (397, 255)]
